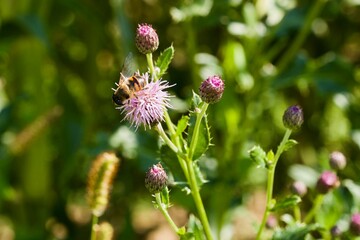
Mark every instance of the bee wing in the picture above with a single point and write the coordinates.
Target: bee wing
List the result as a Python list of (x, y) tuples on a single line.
[(128, 68)]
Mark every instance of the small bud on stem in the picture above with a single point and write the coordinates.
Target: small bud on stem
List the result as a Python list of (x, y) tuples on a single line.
[(293, 117), (156, 179)]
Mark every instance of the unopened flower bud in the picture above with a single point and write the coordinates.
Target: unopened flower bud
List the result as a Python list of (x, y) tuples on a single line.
[(327, 181), (147, 40), (100, 180), (337, 160), (211, 89), (335, 231), (293, 117), (355, 224), (299, 188), (271, 222), (156, 179)]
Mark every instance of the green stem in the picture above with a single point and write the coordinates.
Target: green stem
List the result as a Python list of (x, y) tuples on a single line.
[(151, 66), (192, 178), (317, 203), (195, 135), (297, 213), (270, 182), (165, 212), (198, 201), (95, 220), (168, 142), (300, 37)]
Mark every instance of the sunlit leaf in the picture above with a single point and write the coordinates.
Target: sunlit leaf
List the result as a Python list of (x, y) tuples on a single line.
[(258, 155), (203, 140), (196, 100), (289, 144), (182, 124), (200, 180), (270, 156), (164, 60), (165, 199), (286, 203), (195, 229)]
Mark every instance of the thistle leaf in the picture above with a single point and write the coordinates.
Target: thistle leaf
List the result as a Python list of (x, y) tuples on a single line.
[(164, 60), (286, 203), (203, 140), (258, 155), (289, 144), (182, 125), (200, 180), (195, 101)]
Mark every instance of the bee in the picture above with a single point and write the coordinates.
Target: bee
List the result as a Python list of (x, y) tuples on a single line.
[(130, 82)]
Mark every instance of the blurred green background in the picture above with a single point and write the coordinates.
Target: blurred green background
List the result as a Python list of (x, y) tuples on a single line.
[(60, 59)]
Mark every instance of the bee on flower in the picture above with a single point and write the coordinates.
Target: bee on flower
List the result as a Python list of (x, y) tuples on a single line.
[(142, 101)]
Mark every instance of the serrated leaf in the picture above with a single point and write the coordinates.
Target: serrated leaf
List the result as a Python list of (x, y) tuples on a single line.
[(203, 141), (195, 228), (181, 231), (195, 101), (286, 203), (200, 180), (258, 155), (164, 60), (171, 161), (182, 125), (165, 198), (270, 156), (289, 144), (294, 232)]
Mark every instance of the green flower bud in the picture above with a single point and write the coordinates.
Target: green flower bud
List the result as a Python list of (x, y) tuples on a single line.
[(293, 117)]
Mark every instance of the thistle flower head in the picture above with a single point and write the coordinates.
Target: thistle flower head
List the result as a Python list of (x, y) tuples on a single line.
[(211, 89), (327, 181), (147, 40), (293, 117), (148, 105), (100, 179), (355, 224), (156, 178), (337, 160)]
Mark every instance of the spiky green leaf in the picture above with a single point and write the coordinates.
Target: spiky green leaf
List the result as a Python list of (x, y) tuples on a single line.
[(164, 60), (289, 144), (286, 203), (258, 155), (200, 180), (195, 101), (203, 141), (182, 125)]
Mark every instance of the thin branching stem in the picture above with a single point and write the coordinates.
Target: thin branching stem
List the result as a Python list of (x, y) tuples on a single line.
[(270, 182), (165, 212)]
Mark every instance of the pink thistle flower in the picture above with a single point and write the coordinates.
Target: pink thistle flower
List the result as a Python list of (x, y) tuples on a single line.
[(147, 106)]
